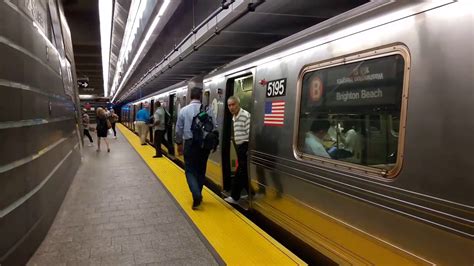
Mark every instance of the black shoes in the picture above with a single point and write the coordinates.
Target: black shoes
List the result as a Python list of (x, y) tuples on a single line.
[(157, 156), (196, 204), (143, 144)]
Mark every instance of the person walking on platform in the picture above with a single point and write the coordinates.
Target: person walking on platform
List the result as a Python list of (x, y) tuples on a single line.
[(103, 125), (141, 122), (241, 124), (85, 124), (158, 128), (113, 118), (195, 154)]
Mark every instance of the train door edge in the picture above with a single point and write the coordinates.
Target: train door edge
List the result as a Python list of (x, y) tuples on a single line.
[(169, 126), (152, 111)]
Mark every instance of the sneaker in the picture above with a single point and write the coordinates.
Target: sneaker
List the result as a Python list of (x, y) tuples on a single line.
[(231, 200), (115, 137), (244, 196), (90, 145)]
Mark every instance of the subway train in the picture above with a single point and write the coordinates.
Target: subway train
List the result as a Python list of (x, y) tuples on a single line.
[(39, 131), (392, 80)]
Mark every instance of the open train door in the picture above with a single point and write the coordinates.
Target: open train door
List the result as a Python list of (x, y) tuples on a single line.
[(170, 125), (151, 132), (242, 87)]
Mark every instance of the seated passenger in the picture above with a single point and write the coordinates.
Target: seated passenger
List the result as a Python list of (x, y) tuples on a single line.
[(314, 138), (334, 133), (353, 143)]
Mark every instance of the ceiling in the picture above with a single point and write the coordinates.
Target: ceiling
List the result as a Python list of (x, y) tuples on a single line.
[(241, 32), (83, 20), (270, 22)]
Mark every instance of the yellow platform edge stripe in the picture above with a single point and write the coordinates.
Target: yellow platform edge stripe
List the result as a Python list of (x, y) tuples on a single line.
[(236, 239)]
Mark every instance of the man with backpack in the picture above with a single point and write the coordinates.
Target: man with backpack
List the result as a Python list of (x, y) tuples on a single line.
[(196, 137)]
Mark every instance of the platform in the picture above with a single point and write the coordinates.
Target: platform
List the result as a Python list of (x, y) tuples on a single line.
[(124, 207), (117, 213)]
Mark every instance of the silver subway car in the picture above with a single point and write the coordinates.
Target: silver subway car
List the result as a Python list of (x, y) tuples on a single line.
[(361, 128), (39, 131)]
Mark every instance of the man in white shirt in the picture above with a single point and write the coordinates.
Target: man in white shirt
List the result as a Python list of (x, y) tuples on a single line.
[(241, 124), (314, 138), (159, 129)]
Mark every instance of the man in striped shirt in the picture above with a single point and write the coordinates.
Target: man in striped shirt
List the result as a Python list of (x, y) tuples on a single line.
[(241, 124)]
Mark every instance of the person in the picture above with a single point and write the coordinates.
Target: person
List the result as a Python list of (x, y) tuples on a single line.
[(85, 124), (314, 138), (141, 122), (241, 124), (159, 129), (353, 142), (102, 128), (195, 157), (113, 118)]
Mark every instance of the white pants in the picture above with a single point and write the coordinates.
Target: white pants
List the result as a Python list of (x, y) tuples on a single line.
[(142, 130)]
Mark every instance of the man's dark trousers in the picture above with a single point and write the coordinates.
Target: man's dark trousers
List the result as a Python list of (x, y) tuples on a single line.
[(195, 162), (158, 139), (241, 179)]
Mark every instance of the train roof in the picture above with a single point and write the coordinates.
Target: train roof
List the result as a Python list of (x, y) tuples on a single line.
[(170, 88), (351, 22)]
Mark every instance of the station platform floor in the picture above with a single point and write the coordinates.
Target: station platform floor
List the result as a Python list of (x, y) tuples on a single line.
[(126, 208)]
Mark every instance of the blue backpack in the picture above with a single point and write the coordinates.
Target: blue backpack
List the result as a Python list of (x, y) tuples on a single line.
[(204, 134)]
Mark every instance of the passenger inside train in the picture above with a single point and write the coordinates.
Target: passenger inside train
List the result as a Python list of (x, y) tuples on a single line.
[(314, 138)]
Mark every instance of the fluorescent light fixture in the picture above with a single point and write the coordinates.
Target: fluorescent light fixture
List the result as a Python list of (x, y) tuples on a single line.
[(105, 16), (86, 96), (139, 52), (134, 9)]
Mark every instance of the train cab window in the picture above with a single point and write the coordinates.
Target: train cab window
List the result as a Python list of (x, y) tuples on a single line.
[(350, 114)]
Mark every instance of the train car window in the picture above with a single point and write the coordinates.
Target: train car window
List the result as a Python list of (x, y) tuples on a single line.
[(350, 114), (206, 100)]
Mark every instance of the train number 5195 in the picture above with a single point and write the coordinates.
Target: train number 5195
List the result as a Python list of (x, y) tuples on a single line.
[(276, 88)]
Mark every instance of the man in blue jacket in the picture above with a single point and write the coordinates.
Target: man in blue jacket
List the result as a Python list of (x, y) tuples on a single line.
[(141, 120)]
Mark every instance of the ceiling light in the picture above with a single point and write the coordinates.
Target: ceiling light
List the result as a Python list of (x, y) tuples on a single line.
[(105, 16), (138, 54)]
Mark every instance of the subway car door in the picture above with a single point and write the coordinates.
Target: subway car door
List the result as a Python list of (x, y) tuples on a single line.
[(134, 116), (170, 124), (241, 87), (152, 111)]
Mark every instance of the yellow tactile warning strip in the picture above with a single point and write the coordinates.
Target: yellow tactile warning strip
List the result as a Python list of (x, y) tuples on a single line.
[(236, 239)]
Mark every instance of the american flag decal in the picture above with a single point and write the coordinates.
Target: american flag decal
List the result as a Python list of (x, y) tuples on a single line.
[(274, 113)]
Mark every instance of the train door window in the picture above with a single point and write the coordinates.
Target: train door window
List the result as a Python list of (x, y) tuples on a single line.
[(243, 88), (205, 99), (349, 113)]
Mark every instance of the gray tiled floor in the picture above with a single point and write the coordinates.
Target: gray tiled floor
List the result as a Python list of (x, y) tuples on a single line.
[(117, 213)]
